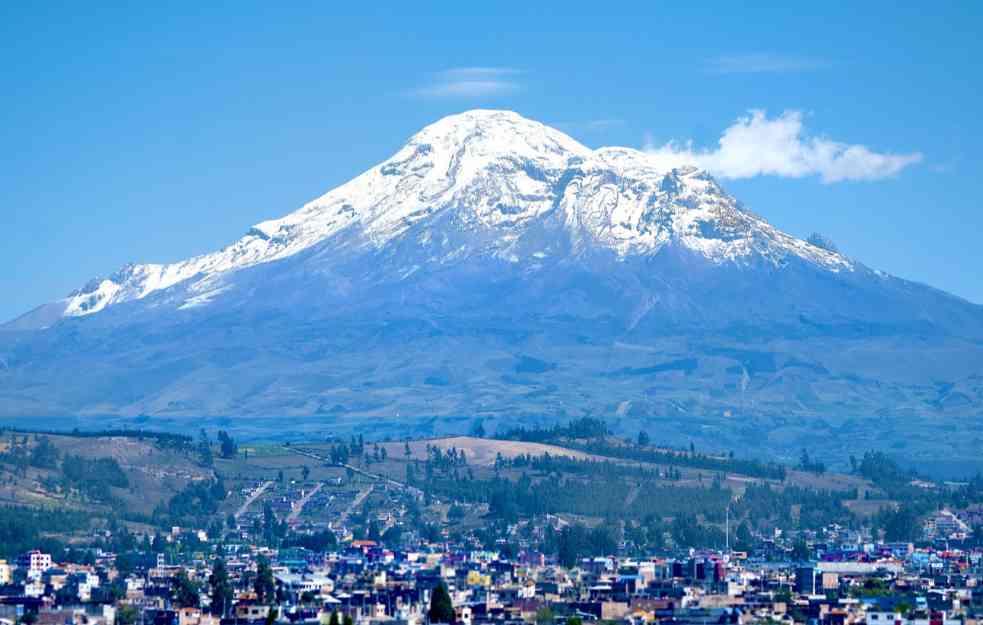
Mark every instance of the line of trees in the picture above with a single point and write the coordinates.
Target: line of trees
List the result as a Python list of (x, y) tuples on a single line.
[(591, 436)]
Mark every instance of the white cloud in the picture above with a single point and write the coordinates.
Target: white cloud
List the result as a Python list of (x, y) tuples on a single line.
[(764, 63), (758, 146), (471, 82)]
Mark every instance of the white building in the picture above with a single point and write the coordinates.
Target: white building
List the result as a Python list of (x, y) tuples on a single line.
[(35, 562)]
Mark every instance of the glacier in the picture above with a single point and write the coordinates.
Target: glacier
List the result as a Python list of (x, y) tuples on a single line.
[(496, 171), (495, 268)]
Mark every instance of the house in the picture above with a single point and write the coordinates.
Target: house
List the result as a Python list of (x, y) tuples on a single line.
[(251, 612), (194, 616), (34, 561)]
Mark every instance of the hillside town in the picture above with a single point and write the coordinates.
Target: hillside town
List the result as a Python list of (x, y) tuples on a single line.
[(475, 531), (183, 577)]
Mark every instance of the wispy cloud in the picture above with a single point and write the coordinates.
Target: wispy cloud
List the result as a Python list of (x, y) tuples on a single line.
[(756, 145), (603, 124), (761, 63), (471, 82)]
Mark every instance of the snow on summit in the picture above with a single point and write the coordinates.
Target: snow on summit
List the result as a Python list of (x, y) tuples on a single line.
[(482, 179)]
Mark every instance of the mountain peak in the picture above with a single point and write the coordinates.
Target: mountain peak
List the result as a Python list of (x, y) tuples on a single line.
[(477, 117), (487, 134), (485, 120), (489, 183)]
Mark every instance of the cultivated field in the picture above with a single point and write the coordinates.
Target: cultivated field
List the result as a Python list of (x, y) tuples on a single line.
[(482, 451)]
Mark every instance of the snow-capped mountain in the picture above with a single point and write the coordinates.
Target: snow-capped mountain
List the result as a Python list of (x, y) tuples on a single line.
[(496, 175), (496, 268)]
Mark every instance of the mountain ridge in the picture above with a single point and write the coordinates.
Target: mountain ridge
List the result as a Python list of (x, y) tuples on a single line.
[(493, 269), (504, 171)]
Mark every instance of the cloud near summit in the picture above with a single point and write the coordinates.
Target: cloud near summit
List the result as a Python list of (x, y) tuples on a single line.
[(471, 82), (756, 145)]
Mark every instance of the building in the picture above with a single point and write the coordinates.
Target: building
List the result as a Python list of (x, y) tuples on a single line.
[(34, 561), (805, 580)]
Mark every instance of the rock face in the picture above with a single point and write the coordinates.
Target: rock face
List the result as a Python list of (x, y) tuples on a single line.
[(496, 267)]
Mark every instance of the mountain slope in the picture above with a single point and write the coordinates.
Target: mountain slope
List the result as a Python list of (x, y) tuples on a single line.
[(496, 267), (499, 176)]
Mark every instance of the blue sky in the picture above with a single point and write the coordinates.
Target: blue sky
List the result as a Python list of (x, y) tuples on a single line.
[(151, 133)]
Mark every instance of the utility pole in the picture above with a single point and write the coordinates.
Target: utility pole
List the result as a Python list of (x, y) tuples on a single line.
[(727, 527)]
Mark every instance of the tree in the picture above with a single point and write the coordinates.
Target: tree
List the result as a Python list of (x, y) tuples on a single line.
[(899, 524), (455, 513), (800, 551), (229, 448), (406, 450), (44, 455), (571, 544), (204, 449), (264, 586), (334, 620), (216, 528), (347, 620), (544, 615), (441, 608), (392, 535), (643, 438), (221, 588), (743, 537), (126, 563), (574, 620), (306, 472), (185, 591), (374, 531), (318, 541), (126, 614)]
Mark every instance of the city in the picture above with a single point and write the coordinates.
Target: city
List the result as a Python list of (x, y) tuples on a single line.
[(326, 532)]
